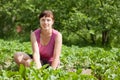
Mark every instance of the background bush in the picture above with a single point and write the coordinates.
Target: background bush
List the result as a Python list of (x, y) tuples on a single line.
[(80, 21)]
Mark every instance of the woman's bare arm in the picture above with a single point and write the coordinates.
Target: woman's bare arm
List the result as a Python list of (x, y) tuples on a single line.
[(35, 49), (57, 51)]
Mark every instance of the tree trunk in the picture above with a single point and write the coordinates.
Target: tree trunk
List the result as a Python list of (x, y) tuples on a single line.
[(105, 37), (92, 36)]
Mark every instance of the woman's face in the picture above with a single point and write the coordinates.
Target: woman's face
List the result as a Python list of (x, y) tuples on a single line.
[(46, 23)]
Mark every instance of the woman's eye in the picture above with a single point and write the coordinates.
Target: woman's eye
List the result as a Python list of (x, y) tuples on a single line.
[(48, 19), (43, 20)]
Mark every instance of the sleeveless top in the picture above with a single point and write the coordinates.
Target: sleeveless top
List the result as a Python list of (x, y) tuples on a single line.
[(46, 52)]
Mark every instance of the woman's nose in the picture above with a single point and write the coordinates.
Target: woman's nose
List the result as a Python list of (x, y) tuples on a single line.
[(45, 21)]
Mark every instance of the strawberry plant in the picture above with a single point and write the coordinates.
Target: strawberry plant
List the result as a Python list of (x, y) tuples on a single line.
[(103, 63)]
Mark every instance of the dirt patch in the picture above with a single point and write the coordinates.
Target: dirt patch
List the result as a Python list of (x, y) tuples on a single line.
[(86, 71)]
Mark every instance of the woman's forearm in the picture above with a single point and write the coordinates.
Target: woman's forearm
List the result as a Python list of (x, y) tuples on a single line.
[(55, 63), (36, 59)]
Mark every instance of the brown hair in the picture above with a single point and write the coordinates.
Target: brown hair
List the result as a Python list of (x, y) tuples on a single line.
[(46, 13)]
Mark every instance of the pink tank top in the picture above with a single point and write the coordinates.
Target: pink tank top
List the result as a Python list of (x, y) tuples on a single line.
[(46, 52)]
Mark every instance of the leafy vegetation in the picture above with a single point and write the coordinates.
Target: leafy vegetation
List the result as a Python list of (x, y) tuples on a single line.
[(104, 63)]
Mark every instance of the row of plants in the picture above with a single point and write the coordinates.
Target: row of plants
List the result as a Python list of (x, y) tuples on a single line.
[(104, 63)]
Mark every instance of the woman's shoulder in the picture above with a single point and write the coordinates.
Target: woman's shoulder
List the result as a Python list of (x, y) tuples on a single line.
[(56, 33), (37, 30)]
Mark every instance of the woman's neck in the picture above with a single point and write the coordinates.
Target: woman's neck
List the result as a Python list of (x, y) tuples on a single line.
[(46, 32)]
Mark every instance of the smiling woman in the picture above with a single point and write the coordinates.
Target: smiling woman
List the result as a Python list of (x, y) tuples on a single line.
[(46, 22), (46, 44)]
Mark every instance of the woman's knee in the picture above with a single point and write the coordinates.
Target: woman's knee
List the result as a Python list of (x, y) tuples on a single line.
[(21, 58), (18, 57)]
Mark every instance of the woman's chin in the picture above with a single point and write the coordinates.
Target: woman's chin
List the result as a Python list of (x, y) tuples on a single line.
[(46, 28)]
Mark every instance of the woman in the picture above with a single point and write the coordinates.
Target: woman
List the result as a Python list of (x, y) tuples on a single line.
[(46, 44)]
